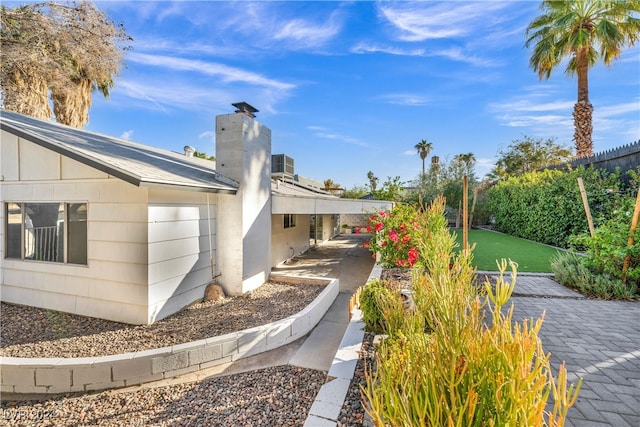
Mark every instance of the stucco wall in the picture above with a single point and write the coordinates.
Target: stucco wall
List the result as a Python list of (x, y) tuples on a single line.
[(113, 284), (288, 242)]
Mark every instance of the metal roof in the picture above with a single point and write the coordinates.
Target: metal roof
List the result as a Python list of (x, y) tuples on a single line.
[(138, 164)]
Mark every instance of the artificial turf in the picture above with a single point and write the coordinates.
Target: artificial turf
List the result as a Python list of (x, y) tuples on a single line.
[(491, 246)]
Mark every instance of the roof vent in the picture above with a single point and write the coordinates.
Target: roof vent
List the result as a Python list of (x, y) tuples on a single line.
[(244, 108), (189, 150)]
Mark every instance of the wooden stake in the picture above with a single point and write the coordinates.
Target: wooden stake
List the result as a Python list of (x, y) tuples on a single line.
[(465, 214), (634, 225), (585, 202)]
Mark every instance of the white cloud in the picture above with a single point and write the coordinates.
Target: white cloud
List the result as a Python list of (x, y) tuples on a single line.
[(618, 109), (419, 21), (363, 47), (127, 134), (224, 72), (406, 99), (324, 133), (304, 33), (458, 54)]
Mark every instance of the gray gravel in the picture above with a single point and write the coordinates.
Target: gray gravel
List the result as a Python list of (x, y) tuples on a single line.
[(35, 332), (278, 396)]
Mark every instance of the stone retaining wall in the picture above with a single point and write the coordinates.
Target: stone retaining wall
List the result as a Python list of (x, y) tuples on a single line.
[(63, 375)]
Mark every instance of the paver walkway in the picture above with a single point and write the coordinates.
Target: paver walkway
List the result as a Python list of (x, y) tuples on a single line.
[(598, 340)]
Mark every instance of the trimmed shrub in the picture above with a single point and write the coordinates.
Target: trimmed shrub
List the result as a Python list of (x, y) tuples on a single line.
[(572, 271), (547, 207)]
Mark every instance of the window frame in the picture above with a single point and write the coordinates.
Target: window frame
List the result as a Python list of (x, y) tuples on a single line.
[(66, 232), (289, 221)]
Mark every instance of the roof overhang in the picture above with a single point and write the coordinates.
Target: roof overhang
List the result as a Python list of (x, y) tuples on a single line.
[(287, 204)]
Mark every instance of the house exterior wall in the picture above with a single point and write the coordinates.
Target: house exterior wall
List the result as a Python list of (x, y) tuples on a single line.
[(329, 227), (182, 235), (243, 153), (113, 284), (288, 242)]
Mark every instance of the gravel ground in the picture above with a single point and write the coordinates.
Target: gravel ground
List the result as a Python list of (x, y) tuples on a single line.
[(276, 396), (34, 332), (279, 396), (352, 412)]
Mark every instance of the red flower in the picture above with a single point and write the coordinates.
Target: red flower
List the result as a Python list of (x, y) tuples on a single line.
[(406, 238), (368, 229), (366, 244), (401, 263), (393, 236), (413, 256), (379, 226), (358, 230)]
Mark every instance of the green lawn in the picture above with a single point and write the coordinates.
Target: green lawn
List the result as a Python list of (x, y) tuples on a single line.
[(492, 246)]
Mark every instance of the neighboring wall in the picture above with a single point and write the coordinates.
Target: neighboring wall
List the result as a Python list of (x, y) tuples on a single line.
[(182, 235), (355, 220), (113, 284)]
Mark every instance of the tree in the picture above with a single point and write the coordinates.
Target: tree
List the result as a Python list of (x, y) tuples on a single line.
[(331, 186), (203, 155), (423, 148), (527, 155), (356, 192), (391, 190), (58, 52), (585, 31), (373, 181), (468, 160)]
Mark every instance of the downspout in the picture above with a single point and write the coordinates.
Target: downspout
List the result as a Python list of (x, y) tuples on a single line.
[(211, 263)]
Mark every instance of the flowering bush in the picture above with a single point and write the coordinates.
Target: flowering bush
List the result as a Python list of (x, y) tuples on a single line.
[(401, 236)]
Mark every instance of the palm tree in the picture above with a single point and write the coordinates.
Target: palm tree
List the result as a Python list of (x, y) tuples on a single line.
[(67, 50), (468, 160), (424, 148), (373, 180), (331, 186), (585, 31)]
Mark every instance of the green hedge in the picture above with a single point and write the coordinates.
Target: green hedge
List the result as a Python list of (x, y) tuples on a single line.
[(547, 207)]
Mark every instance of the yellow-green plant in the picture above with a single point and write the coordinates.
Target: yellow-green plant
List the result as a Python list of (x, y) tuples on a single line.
[(465, 373)]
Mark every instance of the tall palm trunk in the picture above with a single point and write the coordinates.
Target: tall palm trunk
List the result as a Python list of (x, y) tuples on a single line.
[(583, 110), (71, 104), (26, 92)]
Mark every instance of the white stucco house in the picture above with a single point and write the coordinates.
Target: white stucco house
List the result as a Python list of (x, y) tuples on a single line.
[(104, 227)]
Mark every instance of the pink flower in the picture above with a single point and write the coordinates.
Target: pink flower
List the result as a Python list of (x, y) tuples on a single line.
[(393, 235)]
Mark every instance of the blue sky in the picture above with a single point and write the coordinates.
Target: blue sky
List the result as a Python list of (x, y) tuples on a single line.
[(351, 87)]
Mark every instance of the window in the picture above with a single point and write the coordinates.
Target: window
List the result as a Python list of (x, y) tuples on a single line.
[(51, 232), (289, 220)]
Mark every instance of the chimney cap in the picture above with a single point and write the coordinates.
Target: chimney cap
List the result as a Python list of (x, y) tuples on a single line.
[(189, 150), (245, 108)]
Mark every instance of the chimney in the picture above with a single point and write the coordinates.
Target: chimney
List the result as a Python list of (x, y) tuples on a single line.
[(244, 108), (189, 150)]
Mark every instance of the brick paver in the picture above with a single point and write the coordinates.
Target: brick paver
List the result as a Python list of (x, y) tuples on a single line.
[(598, 340)]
